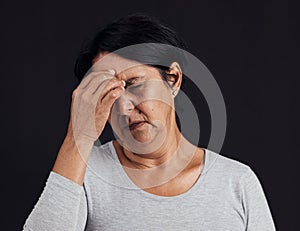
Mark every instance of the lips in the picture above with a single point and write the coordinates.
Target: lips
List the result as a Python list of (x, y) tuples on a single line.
[(134, 124), (137, 124)]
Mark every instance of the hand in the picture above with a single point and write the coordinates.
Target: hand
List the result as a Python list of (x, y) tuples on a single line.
[(92, 101)]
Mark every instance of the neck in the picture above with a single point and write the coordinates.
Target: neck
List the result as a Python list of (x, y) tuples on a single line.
[(151, 169)]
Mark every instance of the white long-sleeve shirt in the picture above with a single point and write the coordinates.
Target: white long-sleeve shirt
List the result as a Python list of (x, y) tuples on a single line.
[(226, 196)]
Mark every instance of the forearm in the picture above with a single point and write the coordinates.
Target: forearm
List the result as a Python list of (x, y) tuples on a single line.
[(72, 158), (61, 206)]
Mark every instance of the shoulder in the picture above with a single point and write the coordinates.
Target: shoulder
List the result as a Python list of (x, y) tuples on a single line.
[(221, 164), (231, 177), (227, 171)]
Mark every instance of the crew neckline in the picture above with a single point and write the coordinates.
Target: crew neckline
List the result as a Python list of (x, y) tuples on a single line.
[(207, 160)]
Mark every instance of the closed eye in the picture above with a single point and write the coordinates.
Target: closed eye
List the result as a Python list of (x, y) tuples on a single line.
[(133, 82), (133, 86)]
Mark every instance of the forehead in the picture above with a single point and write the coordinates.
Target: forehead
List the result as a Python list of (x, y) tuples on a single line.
[(124, 68)]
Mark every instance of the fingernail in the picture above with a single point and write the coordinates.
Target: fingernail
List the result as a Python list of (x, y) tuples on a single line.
[(124, 83)]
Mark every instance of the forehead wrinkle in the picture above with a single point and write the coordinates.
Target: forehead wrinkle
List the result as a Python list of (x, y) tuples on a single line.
[(132, 72), (105, 61)]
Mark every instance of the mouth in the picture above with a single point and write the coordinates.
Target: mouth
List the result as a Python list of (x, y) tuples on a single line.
[(136, 125)]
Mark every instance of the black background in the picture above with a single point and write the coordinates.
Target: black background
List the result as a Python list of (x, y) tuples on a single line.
[(243, 44)]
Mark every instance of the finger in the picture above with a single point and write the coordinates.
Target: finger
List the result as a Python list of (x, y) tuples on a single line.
[(111, 96), (98, 82), (99, 76), (109, 85), (104, 74)]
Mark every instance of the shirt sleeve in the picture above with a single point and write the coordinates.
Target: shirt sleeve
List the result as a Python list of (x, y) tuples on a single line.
[(257, 213), (61, 206)]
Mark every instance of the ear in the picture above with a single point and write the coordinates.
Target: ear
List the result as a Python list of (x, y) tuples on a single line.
[(174, 76)]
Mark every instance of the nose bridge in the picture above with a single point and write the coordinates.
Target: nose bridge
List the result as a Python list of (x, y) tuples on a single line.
[(125, 104)]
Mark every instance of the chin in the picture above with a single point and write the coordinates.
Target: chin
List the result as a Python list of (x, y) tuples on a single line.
[(143, 138), (143, 143)]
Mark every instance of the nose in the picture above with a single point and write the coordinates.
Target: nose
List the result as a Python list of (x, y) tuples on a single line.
[(124, 104)]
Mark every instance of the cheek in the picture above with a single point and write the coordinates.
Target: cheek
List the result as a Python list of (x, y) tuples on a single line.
[(155, 110), (158, 94)]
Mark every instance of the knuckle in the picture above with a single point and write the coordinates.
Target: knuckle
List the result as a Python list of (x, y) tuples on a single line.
[(116, 82), (114, 93), (117, 92), (74, 92)]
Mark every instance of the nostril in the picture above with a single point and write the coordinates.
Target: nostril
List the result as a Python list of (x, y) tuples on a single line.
[(124, 106)]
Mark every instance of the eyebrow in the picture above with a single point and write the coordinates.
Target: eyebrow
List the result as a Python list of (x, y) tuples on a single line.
[(132, 79)]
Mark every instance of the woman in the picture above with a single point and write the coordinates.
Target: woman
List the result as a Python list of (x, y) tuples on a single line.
[(150, 177)]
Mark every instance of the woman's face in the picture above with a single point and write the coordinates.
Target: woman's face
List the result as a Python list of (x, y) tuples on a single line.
[(143, 115), (144, 110)]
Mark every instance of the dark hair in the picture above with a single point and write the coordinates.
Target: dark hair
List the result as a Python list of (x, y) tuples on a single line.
[(129, 30)]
